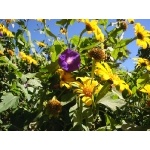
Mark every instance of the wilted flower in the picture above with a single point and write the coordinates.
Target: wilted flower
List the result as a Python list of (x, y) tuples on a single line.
[(9, 20), (10, 52), (69, 60), (97, 54), (54, 106)]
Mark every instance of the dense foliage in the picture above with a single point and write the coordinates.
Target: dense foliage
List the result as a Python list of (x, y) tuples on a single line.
[(73, 84)]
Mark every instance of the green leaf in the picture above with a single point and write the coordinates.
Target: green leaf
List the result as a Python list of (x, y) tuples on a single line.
[(49, 33), (19, 41), (8, 101), (123, 43), (34, 82), (52, 67), (30, 75), (103, 91), (103, 22), (110, 121), (67, 98), (142, 80), (116, 31), (74, 40), (65, 22), (61, 22), (89, 47), (108, 101), (24, 90), (21, 23), (8, 62)]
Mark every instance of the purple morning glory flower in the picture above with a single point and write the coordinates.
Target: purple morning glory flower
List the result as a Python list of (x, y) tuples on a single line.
[(69, 60)]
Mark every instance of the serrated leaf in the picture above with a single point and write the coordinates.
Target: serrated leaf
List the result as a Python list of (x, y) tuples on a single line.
[(24, 90), (49, 33), (30, 75), (142, 80), (108, 101), (124, 43), (103, 91), (34, 82), (8, 101), (103, 22), (23, 79), (74, 40), (52, 67), (8, 62)]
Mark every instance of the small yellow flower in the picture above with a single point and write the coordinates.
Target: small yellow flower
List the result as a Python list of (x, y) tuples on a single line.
[(131, 21), (40, 20), (146, 89), (104, 71), (63, 31), (65, 78), (143, 62), (41, 44), (143, 35), (5, 31), (1, 52), (87, 89), (27, 58)]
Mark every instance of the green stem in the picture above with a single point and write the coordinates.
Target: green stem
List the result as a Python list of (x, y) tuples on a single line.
[(66, 35), (93, 68)]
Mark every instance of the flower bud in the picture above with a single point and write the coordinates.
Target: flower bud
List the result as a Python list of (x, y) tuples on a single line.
[(97, 54), (54, 106)]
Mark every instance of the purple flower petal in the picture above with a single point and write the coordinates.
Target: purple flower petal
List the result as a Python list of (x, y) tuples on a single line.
[(69, 60)]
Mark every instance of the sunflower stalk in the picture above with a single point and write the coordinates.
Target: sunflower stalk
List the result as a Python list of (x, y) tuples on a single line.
[(93, 68)]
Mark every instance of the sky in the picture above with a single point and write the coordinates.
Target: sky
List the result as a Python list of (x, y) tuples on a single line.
[(76, 29)]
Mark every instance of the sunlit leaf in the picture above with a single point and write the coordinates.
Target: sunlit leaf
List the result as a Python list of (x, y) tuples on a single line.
[(108, 101), (8, 101)]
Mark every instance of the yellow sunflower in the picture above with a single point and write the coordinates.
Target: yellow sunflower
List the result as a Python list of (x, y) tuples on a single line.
[(5, 31), (146, 89), (131, 21), (27, 58), (143, 35), (65, 78), (143, 62), (92, 27), (87, 89), (104, 71)]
